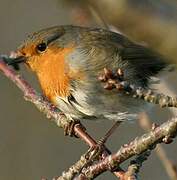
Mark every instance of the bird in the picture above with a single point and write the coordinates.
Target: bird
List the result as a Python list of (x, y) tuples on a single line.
[(68, 60)]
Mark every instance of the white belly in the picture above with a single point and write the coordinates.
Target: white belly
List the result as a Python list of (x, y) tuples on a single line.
[(108, 105)]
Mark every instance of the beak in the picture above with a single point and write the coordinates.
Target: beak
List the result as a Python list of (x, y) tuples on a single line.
[(16, 61)]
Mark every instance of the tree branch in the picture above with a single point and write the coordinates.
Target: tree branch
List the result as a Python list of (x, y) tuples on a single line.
[(147, 141), (163, 133), (47, 108), (115, 80), (170, 168), (134, 167)]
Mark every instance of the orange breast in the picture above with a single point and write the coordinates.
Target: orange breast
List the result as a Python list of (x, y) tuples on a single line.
[(53, 72)]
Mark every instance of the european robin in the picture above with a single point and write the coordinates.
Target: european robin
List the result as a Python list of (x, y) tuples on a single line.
[(68, 60)]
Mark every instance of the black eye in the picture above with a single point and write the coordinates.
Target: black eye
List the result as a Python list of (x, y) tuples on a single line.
[(41, 47)]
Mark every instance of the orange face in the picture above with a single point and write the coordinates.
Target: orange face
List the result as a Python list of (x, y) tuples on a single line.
[(48, 62)]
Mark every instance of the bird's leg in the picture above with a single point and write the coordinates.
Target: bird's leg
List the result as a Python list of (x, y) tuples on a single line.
[(95, 151), (112, 80), (98, 149), (103, 140)]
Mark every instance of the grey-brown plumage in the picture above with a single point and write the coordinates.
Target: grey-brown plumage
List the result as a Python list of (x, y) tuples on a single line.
[(95, 49)]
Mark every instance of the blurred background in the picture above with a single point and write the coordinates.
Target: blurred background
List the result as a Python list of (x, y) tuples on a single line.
[(31, 147)]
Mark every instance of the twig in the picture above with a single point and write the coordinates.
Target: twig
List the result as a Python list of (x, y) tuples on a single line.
[(146, 124), (150, 96), (116, 81), (133, 169), (137, 146), (75, 169)]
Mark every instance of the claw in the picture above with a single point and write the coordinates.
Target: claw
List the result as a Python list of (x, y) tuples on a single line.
[(69, 128), (93, 154), (96, 151)]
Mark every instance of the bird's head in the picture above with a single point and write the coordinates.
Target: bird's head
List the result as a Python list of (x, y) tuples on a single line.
[(41, 46), (45, 52)]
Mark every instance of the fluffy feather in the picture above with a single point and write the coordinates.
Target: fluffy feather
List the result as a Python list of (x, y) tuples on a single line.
[(75, 56)]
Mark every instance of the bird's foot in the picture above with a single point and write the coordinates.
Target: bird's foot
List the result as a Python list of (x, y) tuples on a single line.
[(96, 152), (69, 128)]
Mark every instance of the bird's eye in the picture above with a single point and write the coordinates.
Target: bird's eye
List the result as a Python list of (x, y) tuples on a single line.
[(41, 47)]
